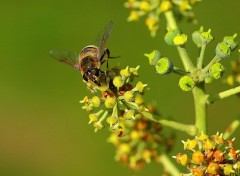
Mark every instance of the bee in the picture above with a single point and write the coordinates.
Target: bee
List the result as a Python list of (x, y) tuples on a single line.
[(90, 58)]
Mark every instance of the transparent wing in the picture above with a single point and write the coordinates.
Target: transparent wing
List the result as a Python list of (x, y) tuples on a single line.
[(103, 36), (68, 57)]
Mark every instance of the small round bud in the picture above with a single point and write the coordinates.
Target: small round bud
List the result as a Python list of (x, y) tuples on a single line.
[(153, 57), (197, 171), (206, 36), (144, 6), (110, 102), (170, 35), (138, 99), (140, 86), (197, 157), (164, 66), (230, 40), (186, 83), (217, 70), (125, 72), (223, 50), (112, 120), (208, 145), (129, 114), (93, 118), (182, 159), (213, 168), (134, 16), (228, 169), (96, 101), (118, 81), (124, 148), (180, 39), (165, 5), (197, 39), (103, 87), (128, 96)]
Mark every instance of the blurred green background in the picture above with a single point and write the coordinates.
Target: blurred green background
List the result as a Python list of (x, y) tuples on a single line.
[(43, 131)]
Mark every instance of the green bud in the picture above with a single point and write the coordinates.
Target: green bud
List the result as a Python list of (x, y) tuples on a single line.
[(164, 66), (197, 39), (217, 70), (223, 50), (153, 57), (170, 35), (186, 83), (207, 36), (230, 40)]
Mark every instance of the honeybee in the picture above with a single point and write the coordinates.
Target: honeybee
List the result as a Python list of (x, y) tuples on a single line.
[(90, 58)]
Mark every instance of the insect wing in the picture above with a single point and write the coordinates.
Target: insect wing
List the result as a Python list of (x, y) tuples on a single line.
[(103, 36), (68, 57)]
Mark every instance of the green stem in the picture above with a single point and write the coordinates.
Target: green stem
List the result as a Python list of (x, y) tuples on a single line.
[(201, 57), (171, 20), (212, 98), (179, 71), (231, 129), (200, 108), (187, 63), (168, 165), (189, 129), (213, 61)]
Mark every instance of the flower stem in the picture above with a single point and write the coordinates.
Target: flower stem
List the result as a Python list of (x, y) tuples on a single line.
[(213, 61), (179, 71), (200, 108), (201, 57), (171, 20), (231, 129), (212, 98), (187, 63), (189, 129), (168, 165)]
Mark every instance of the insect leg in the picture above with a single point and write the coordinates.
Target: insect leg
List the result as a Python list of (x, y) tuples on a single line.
[(106, 51)]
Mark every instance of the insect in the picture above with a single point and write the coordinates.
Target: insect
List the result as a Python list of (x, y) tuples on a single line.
[(90, 58)]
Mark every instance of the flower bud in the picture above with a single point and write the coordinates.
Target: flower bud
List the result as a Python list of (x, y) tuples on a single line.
[(223, 50), (164, 66), (230, 40), (217, 70), (197, 39), (213, 168), (118, 81), (96, 101), (128, 96), (125, 72), (93, 118), (180, 39), (207, 37), (170, 35), (186, 83), (197, 157), (111, 120), (110, 102), (153, 57)]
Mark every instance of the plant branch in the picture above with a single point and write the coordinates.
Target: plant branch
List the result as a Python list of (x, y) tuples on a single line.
[(231, 129), (213, 61), (201, 57), (171, 20), (179, 71), (187, 63), (189, 129), (168, 165), (212, 98), (200, 108)]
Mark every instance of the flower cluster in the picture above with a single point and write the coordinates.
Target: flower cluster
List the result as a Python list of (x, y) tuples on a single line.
[(210, 156), (120, 99), (153, 9), (143, 142)]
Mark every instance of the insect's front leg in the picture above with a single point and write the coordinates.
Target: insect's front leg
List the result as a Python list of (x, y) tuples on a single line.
[(106, 51)]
